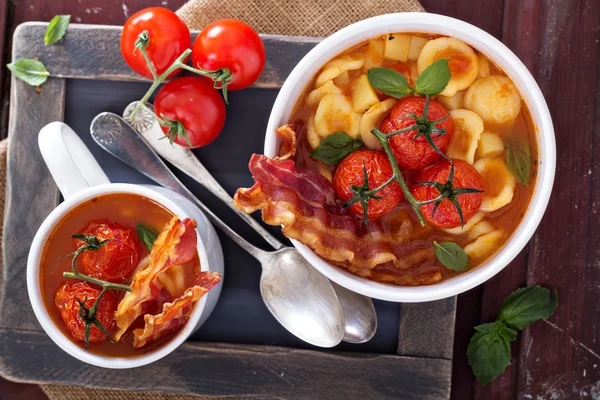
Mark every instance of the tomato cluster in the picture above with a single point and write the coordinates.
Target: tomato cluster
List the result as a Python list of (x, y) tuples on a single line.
[(422, 164), (228, 52)]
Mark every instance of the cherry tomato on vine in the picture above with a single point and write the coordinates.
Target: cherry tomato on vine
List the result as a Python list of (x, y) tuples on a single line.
[(446, 214), (65, 300), (194, 109), (350, 172), (231, 44), (415, 153), (169, 37), (117, 258)]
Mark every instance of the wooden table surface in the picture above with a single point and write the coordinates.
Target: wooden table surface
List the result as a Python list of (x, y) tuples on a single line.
[(558, 40)]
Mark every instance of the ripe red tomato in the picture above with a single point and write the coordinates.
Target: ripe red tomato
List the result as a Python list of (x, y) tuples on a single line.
[(66, 303), (169, 38), (411, 153), (196, 104), (117, 258), (232, 44), (350, 172), (446, 215)]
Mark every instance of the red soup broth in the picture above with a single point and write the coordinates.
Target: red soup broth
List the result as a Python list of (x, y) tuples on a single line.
[(127, 210)]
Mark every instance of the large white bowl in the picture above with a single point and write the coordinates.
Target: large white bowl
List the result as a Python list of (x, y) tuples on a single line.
[(495, 51)]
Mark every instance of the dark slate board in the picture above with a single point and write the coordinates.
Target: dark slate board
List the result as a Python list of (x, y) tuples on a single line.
[(241, 346)]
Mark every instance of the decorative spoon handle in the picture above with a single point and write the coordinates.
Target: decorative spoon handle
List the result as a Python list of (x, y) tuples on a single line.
[(118, 138), (188, 163)]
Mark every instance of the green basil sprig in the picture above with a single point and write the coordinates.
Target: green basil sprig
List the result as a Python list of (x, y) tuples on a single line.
[(488, 352), (518, 158), (31, 71), (451, 255), (56, 29), (335, 147), (431, 82), (147, 235)]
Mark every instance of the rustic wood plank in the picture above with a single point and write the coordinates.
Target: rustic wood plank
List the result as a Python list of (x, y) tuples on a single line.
[(91, 52), (218, 369), (427, 329)]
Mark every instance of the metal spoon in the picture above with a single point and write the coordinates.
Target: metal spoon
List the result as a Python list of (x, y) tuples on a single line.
[(360, 318), (299, 297)]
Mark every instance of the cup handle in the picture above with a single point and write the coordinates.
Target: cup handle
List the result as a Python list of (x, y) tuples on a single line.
[(71, 164)]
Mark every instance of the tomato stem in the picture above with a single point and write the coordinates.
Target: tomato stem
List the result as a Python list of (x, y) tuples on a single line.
[(99, 282)]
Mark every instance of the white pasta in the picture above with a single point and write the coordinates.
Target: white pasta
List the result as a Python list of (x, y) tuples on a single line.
[(452, 102), (314, 97), (490, 145), (336, 67), (484, 65), (335, 114), (343, 80), (498, 182), (372, 119), (484, 244), (468, 127), (396, 47), (311, 135), (468, 224), (374, 53), (495, 98), (416, 45), (446, 47), (363, 95), (480, 229)]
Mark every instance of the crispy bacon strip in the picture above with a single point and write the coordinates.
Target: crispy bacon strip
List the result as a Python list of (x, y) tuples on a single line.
[(175, 245), (303, 202), (288, 146), (175, 313)]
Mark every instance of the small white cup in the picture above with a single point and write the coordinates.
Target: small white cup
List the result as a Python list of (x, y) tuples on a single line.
[(80, 178), (497, 53)]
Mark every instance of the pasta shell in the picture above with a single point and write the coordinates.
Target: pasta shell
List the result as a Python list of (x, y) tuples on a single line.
[(469, 224), (336, 67), (335, 114), (372, 119), (498, 182), (396, 47), (314, 97), (484, 244), (416, 45), (490, 145), (363, 95), (374, 53), (326, 172), (311, 135), (468, 127), (480, 229), (484, 65), (452, 102), (343, 80), (495, 98), (463, 62)]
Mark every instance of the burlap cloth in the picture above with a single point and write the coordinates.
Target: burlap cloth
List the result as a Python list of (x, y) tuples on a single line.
[(283, 17)]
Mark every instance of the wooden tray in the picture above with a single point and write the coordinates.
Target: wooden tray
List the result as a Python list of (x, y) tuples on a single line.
[(241, 350)]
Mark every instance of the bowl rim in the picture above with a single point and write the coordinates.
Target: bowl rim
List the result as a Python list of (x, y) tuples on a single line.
[(494, 50), (34, 289)]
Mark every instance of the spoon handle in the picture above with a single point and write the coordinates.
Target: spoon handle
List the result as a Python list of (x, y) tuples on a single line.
[(118, 138), (188, 163)]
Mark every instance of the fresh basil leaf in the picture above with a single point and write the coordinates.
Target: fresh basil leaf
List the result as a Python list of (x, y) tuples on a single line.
[(488, 352), (434, 79), (30, 71), (390, 82), (147, 235), (451, 255), (335, 147), (518, 159), (527, 305), (56, 29)]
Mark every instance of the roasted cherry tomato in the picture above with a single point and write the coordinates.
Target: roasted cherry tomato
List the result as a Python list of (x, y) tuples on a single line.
[(446, 215), (350, 172), (169, 37), (411, 153), (117, 258), (232, 44), (194, 103), (66, 303)]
